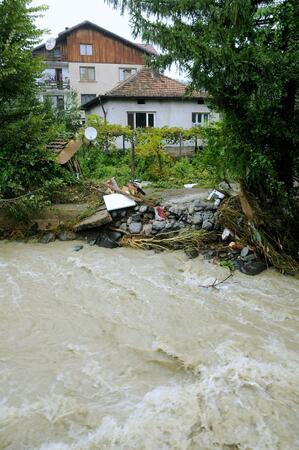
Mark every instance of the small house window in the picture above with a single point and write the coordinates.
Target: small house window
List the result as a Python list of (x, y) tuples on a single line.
[(141, 119), (86, 49), (125, 73), (54, 54), (200, 118), (85, 98), (87, 73), (141, 101)]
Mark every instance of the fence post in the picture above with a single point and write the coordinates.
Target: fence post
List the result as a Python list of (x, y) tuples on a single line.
[(132, 154), (180, 145)]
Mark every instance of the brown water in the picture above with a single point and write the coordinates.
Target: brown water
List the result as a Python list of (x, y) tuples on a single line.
[(122, 349)]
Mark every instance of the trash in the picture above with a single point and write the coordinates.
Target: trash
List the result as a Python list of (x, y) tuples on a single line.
[(135, 189), (159, 213), (235, 246), (226, 234), (190, 185), (118, 201), (244, 252), (216, 194)]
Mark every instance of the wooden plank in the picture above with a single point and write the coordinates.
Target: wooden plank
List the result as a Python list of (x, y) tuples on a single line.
[(68, 152)]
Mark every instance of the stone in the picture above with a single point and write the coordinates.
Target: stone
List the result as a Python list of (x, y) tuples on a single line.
[(97, 219), (210, 254), (159, 225), (67, 235), (105, 241), (252, 267), (135, 227), (206, 225), (136, 208), (191, 253), (143, 209), (123, 227), (114, 235), (208, 216), (33, 230), (197, 219), (136, 218), (77, 248), (147, 229), (47, 238), (191, 209), (129, 221), (224, 186), (244, 252)]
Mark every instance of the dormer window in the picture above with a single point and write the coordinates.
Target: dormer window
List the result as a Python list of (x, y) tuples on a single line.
[(125, 73), (85, 49)]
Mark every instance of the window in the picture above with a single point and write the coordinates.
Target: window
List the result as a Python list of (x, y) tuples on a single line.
[(54, 54), (57, 101), (125, 73), (141, 101), (85, 98), (85, 49), (141, 119), (87, 73), (200, 118)]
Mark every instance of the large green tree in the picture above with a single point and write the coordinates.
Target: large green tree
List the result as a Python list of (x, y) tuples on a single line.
[(246, 54), (24, 161)]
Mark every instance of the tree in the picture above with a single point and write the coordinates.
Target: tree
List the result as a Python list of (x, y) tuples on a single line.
[(24, 161), (245, 53)]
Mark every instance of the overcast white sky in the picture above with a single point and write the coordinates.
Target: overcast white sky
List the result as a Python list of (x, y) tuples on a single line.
[(67, 13)]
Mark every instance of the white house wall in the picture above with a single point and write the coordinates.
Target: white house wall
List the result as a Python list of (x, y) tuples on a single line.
[(172, 113), (106, 77)]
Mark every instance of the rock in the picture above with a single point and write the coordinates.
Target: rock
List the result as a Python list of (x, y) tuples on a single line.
[(33, 230), (135, 227), (114, 214), (92, 242), (136, 208), (159, 225), (143, 209), (97, 219), (210, 254), (249, 258), (105, 241), (252, 267), (147, 229), (117, 224), (244, 252), (47, 238), (77, 248), (191, 209), (136, 218), (114, 235), (206, 225), (197, 219), (224, 186), (208, 216), (67, 235), (226, 234), (123, 227), (129, 221), (191, 253)]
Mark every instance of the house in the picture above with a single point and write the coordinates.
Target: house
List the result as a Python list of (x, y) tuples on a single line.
[(150, 99), (90, 60)]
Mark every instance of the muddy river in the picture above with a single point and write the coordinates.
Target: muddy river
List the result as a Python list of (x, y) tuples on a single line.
[(123, 349)]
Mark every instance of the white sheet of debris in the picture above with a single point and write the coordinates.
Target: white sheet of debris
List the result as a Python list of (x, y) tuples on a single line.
[(118, 201)]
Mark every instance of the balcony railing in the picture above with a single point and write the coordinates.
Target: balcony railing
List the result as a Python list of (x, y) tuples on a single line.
[(55, 84), (49, 57)]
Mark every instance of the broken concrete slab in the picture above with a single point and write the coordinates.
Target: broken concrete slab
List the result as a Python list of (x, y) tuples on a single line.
[(98, 219)]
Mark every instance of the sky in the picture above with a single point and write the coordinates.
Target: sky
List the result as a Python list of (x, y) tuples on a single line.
[(67, 13)]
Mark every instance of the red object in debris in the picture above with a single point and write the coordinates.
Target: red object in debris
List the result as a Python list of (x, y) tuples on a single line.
[(160, 213)]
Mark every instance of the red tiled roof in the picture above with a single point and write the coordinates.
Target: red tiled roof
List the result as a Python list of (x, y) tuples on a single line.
[(149, 83)]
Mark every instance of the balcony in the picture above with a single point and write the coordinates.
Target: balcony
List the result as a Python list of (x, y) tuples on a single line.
[(53, 84)]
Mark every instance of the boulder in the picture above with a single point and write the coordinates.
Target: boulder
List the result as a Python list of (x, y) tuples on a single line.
[(106, 241), (98, 219), (252, 267)]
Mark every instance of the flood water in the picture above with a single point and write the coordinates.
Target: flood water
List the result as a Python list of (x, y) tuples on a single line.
[(123, 349)]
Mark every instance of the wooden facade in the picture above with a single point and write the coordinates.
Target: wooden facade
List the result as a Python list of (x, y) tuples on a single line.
[(105, 48)]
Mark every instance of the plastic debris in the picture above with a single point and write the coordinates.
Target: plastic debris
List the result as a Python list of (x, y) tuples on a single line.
[(190, 185), (226, 234), (118, 201), (159, 213)]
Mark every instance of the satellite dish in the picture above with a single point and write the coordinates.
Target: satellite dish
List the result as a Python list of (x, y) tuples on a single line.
[(90, 133), (50, 44)]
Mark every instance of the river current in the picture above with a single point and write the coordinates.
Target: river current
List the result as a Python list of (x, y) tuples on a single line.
[(123, 349)]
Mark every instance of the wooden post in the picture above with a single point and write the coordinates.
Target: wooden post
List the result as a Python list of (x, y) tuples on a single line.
[(133, 157), (180, 146), (124, 144)]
